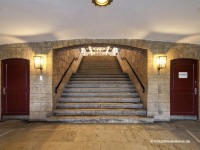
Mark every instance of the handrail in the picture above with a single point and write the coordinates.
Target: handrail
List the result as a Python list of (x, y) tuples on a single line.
[(124, 58), (56, 88)]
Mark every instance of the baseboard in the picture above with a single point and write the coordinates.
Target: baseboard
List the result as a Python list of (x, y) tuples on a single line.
[(177, 117), (20, 117)]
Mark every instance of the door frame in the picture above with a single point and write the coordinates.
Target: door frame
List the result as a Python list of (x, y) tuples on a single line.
[(28, 76), (198, 79)]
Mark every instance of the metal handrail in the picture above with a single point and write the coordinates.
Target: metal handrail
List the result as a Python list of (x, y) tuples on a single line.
[(75, 58), (124, 58)]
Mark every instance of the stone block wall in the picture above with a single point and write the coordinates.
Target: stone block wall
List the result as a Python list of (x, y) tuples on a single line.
[(158, 86), (40, 91), (138, 61), (61, 61)]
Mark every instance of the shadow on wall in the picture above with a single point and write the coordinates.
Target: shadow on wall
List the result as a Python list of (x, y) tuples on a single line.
[(30, 38), (170, 36), (46, 36)]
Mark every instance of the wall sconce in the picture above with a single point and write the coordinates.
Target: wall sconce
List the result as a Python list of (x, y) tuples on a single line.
[(38, 62), (161, 62), (101, 2)]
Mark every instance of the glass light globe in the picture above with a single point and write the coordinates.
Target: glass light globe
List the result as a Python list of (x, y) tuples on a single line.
[(102, 2)]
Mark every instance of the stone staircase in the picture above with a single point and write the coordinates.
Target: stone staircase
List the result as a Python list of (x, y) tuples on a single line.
[(100, 93)]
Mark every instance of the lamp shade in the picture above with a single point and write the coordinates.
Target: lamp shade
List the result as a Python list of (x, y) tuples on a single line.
[(38, 62), (161, 62), (102, 2)]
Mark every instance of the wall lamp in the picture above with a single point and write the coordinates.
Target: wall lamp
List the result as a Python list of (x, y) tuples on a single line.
[(38, 62), (161, 62), (101, 2)]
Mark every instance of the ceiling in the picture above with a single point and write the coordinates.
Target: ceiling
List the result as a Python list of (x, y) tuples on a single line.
[(48, 20)]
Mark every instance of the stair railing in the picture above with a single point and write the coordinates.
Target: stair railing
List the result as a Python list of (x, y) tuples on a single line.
[(74, 59), (124, 58)]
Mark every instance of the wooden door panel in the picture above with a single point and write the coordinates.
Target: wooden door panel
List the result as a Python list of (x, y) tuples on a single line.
[(183, 101), (16, 72), (18, 106), (183, 83), (15, 87)]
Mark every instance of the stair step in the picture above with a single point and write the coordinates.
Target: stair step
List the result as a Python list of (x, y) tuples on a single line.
[(122, 94), (100, 82), (99, 99), (99, 66), (99, 76), (112, 58), (104, 90), (96, 85), (99, 60), (101, 119), (99, 105), (100, 63), (96, 65), (99, 79), (90, 58), (96, 112), (98, 57), (100, 72), (102, 67)]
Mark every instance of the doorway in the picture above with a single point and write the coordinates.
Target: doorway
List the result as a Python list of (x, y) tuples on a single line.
[(184, 87), (15, 87)]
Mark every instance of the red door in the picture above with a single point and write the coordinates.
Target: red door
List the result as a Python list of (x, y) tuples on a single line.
[(184, 87), (15, 87)]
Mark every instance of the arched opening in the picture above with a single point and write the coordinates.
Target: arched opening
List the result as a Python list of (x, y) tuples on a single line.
[(100, 80), (136, 57)]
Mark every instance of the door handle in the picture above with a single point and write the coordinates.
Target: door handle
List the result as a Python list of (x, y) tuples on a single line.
[(4, 90), (195, 91)]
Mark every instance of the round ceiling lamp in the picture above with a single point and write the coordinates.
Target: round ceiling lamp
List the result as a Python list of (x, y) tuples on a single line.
[(101, 2)]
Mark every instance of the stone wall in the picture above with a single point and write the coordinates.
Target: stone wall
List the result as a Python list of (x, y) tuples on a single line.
[(61, 61), (138, 61), (158, 93), (40, 91), (159, 85)]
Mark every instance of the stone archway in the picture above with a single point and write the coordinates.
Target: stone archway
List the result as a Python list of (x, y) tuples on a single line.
[(127, 50), (120, 43)]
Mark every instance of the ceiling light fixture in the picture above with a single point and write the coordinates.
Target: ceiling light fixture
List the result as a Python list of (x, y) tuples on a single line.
[(101, 2)]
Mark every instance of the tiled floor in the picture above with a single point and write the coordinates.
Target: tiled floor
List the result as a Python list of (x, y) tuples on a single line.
[(20, 135)]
